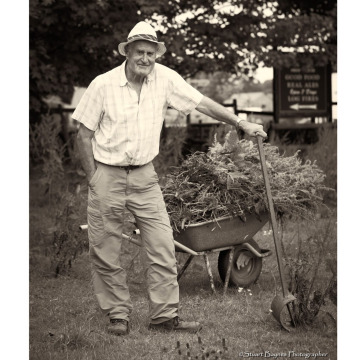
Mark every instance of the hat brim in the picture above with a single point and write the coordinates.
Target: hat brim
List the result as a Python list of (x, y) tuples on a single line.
[(160, 52)]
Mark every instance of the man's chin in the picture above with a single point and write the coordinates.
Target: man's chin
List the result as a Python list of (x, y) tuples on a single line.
[(144, 70)]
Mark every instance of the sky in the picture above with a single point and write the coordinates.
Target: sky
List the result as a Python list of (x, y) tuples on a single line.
[(263, 74)]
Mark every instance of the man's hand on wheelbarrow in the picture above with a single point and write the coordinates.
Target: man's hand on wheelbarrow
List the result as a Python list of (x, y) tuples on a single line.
[(251, 128)]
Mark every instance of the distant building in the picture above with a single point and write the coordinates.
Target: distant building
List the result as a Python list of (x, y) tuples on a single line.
[(54, 100), (255, 101), (249, 101), (174, 118)]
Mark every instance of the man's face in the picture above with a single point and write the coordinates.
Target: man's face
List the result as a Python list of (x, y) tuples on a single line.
[(141, 57)]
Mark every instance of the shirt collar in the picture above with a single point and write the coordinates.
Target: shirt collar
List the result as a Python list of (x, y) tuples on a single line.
[(123, 80)]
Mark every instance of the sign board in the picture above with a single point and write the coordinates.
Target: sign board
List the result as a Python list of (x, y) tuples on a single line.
[(302, 93)]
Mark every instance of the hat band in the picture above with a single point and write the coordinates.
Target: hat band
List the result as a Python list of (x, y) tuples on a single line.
[(143, 37)]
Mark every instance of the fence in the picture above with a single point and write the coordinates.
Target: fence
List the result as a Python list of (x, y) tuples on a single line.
[(287, 131)]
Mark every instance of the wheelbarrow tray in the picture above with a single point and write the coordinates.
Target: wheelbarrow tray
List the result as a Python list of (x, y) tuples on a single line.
[(223, 232)]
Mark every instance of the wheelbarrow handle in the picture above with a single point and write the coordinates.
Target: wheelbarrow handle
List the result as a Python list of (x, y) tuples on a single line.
[(272, 213), (138, 243)]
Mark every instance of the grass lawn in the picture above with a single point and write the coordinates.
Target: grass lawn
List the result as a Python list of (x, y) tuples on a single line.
[(65, 322)]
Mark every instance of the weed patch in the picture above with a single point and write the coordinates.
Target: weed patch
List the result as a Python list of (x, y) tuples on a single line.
[(312, 270)]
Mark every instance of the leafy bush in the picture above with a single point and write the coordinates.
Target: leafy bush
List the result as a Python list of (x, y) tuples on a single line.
[(47, 150), (44, 140), (170, 153), (313, 272), (68, 240), (324, 152)]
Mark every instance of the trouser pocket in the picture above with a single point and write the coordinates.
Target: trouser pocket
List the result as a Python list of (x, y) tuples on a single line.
[(96, 175)]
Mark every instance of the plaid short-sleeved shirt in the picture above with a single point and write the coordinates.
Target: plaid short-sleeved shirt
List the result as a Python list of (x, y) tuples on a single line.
[(127, 129)]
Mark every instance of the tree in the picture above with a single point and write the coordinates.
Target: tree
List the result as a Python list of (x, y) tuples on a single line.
[(306, 30), (218, 37), (72, 41)]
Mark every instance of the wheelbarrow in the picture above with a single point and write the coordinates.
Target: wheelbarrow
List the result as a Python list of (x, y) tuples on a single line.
[(237, 244), (240, 257)]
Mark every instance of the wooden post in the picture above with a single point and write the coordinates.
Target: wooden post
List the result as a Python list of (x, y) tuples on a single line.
[(228, 271), (329, 92), (235, 106), (275, 95), (208, 268)]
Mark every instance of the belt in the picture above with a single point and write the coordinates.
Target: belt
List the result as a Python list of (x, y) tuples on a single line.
[(130, 167), (127, 168)]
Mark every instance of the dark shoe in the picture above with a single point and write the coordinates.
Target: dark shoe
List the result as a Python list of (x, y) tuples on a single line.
[(118, 327), (177, 325)]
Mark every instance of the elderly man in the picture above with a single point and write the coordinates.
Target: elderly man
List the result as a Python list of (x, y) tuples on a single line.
[(121, 115)]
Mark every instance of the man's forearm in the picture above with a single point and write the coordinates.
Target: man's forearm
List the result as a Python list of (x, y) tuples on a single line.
[(216, 111), (219, 112), (86, 155)]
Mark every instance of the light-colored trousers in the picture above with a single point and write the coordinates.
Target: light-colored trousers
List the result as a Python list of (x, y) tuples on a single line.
[(111, 190)]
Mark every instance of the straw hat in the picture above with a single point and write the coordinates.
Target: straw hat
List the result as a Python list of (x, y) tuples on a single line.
[(143, 31)]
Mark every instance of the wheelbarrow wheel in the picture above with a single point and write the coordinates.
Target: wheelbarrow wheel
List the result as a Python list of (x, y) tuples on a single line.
[(245, 268)]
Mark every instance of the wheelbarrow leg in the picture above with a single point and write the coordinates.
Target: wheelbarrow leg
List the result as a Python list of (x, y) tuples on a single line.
[(208, 268), (228, 271), (182, 270)]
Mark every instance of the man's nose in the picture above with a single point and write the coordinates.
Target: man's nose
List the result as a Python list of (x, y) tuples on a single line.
[(145, 58)]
